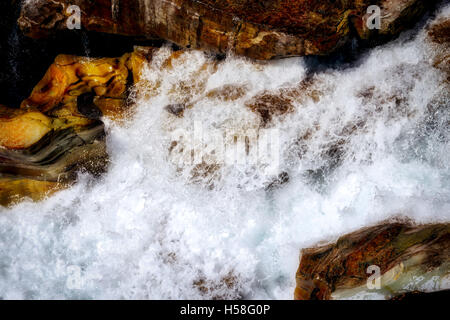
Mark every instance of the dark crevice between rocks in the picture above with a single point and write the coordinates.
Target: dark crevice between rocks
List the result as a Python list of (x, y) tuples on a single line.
[(86, 106)]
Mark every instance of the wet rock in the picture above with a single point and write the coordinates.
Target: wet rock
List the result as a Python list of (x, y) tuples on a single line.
[(268, 105), (439, 34), (40, 154), (184, 93), (227, 92), (73, 84), (57, 154), (396, 16), (20, 129), (278, 181), (57, 132), (260, 30), (13, 190), (409, 257), (272, 104), (176, 109), (440, 31)]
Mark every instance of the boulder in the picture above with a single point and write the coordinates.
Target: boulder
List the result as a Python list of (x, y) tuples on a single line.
[(81, 88), (410, 258), (58, 131), (439, 35), (256, 29)]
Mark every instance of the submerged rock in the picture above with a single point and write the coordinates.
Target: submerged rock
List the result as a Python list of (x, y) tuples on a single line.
[(410, 259), (260, 30), (57, 131), (271, 104), (439, 34)]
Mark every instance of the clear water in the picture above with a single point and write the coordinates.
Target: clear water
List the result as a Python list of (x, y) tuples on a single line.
[(373, 144)]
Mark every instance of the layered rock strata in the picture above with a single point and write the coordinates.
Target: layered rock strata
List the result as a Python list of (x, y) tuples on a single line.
[(57, 132), (256, 29), (409, 258)]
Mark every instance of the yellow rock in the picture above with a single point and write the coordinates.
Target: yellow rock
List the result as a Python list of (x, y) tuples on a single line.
[(57, 131), (15, 190), (70, 76)]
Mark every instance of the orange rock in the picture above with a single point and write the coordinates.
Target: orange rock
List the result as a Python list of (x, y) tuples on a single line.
[(106, 79), (20, 130)]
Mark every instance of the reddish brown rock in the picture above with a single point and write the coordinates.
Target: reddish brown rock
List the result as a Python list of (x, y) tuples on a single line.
[(257, 29), (439, 31), (439, 34), (270, 104), (402, 251)]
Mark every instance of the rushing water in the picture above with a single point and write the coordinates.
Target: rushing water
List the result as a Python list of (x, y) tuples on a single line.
[(361, 145)]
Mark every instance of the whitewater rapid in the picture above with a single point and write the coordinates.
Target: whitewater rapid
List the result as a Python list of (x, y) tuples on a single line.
[(370, 143)]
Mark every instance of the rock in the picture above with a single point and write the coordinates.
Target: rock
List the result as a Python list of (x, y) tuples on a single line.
[(176, 109), (40, 154), (439, 31), (14, 190), (20, 129), (439, 34), (70, 80), (397, 16), (411, 258), (268, 105), (57, 132), (58, 154), (256, 29), (227, 92), (271, 104)]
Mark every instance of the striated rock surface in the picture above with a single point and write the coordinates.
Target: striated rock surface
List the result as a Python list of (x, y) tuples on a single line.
[(256, 29), (57, 131), (411, 259), (75, 87), (40, 153)]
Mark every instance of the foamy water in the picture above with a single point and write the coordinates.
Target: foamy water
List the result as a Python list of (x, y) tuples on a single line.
[(371, 143)]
